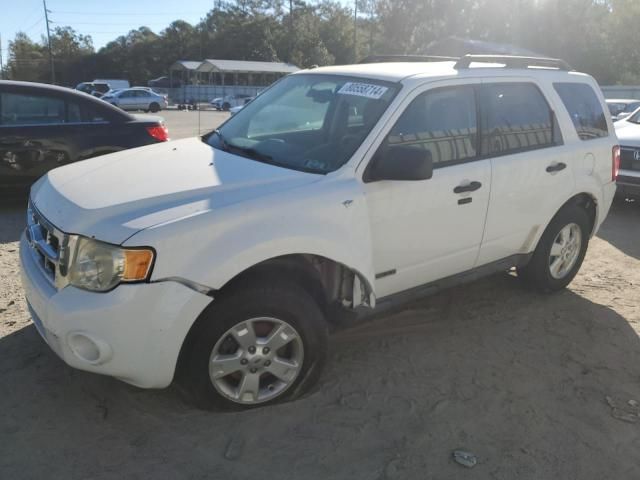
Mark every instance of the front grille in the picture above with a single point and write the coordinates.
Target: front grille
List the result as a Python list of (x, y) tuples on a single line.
[(48, 245), (628, 159)]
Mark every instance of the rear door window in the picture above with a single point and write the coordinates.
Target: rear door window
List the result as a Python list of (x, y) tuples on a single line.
[(20, 109), (584, 109), (515, 118)]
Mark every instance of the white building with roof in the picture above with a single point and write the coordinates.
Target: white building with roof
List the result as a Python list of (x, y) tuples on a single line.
[(210, 78)]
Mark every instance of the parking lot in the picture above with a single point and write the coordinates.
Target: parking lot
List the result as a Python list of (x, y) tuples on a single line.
[(183, 123), (535, 386)]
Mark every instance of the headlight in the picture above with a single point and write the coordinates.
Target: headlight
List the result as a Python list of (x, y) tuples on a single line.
[(100, 266)]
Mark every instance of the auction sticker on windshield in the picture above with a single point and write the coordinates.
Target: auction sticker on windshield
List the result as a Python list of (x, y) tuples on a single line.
[(363, 90)]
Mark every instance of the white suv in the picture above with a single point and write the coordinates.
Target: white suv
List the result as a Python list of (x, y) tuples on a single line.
[(221, 261)]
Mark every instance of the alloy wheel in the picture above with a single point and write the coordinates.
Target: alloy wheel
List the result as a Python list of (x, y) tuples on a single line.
[(256, 360)]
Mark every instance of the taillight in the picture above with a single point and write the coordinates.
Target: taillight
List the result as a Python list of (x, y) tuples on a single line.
[(615, 163), (159, 132)]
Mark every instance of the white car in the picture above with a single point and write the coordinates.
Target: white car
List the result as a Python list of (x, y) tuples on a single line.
[(137, 98), (628, 132), (220, 262), (229, 101)]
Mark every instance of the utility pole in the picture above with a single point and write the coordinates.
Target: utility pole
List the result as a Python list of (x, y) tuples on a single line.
[(46, 19), (1, 64), (355, 31), (290, 30)]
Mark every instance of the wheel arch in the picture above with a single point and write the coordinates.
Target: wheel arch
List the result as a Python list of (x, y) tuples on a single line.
[(589, 203), (584, 200), (330, 283)]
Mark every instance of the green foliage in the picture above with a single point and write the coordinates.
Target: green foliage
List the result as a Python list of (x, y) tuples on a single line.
[(596, 36)]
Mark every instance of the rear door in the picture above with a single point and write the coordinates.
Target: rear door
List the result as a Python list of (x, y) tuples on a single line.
[(127, 100), (531, 171), (34, 135), (143, 99)]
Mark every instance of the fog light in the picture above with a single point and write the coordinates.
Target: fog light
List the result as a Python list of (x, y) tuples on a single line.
[(88, 349)]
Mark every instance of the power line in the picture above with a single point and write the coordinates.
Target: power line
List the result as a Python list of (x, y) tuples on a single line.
[(29, 17), (35, 24), (105, 14), (111, 23)]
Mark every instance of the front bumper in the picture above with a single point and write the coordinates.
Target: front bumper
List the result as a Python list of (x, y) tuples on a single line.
[(133, 333)]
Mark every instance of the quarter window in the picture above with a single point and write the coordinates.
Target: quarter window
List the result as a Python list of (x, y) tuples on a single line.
[(516, 117), (584, 109), (442, 121)]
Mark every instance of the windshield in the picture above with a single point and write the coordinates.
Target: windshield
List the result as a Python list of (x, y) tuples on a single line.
[(306, 122)]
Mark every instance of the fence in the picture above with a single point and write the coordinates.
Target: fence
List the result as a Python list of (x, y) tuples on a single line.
[(206, 93), (621, 91)]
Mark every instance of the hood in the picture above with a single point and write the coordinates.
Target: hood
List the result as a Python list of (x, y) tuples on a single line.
[(114, 196), (628, 133)]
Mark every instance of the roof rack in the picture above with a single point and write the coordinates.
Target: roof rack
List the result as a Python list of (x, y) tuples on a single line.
[(511, 61), (407, 58)]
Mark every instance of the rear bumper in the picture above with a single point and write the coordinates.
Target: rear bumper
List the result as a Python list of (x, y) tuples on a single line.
[(133, 333), (628, 183)]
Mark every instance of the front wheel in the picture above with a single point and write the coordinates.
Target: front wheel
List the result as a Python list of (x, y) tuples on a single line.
[(257, 345), (560, 251), (154, 107)]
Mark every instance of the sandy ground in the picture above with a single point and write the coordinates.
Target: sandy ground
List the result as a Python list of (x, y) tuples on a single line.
[(538, 387)]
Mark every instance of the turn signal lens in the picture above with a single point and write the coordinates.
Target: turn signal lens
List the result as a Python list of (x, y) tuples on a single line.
[(615, 163), (159, 132), (137, 264)]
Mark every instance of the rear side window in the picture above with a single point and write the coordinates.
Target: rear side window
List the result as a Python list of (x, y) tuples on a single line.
[(515, 118), (443, 121), (584, 109), (19, 109), (93, 115)]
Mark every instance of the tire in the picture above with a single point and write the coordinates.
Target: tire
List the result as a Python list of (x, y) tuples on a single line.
[(226, 107), (549, 273), (251, 305), (154, 107)]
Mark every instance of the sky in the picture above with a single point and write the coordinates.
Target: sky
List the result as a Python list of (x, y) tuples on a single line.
[(104, 20)]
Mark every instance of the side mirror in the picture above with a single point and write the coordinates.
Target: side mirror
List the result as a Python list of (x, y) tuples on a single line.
[(400, 163)]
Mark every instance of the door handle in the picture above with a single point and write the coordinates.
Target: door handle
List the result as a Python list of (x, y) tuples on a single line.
[(469, 187), (556, 167)]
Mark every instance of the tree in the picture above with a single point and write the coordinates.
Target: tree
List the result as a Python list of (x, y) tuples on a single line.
[(26, 59)]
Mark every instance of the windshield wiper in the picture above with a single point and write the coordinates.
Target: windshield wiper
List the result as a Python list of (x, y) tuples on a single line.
[(248, 152), (251, 153)]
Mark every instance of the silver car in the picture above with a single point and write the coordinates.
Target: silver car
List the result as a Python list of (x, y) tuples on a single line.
[(137, 99)]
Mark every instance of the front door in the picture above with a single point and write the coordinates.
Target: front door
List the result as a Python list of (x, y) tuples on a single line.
[(430, 229)]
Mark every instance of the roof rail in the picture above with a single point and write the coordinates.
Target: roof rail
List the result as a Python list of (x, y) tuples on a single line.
[(511, 61), (406, 58)]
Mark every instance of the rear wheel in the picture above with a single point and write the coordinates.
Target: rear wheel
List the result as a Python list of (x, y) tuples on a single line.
[(154, 107), (560, 251), (257, 345), (226, 107)]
